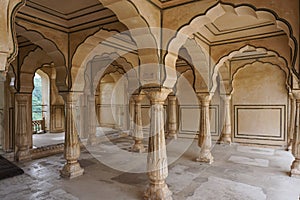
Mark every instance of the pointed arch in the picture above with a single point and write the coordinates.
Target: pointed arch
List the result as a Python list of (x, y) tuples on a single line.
[(33, 61), (96, 45), (219, 68), (218, 11), (51, 50)]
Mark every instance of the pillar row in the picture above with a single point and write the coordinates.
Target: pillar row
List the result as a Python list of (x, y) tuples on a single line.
[(157, 164), (204, 139), (72, 168)]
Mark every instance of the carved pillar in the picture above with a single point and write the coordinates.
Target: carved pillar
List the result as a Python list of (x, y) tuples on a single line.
[(295, 168), (2, 107), (157, 164), (131, 115), (172, 123), (226, 131), (92, 140), (23, 119), (292, 122), (72, 168), (204, 139), (138, 125)]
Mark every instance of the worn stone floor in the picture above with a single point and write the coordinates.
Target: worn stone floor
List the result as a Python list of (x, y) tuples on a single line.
[(113, 172)]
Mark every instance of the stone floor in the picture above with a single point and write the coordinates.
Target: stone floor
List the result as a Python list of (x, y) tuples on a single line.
[(113, 172)]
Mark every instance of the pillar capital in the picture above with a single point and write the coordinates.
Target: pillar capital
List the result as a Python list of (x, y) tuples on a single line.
[(296, 94), (157, 95), (138, 97), (2, 76), (226, 97), (70, 97), (204, 98)]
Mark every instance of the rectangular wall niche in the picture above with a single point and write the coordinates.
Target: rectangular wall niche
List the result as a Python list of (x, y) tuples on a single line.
[(260, 122)]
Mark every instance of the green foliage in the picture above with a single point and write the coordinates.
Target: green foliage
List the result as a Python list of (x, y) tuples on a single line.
[(37, 98)]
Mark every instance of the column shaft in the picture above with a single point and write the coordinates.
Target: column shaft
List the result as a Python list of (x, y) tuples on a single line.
[(292, 122), (92, 139), (138, 125), (226, 131), (204, 140), (172, 123), (72, 168), (23, 119), (157, 164)]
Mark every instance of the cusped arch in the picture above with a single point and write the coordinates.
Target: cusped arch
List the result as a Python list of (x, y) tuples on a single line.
[(221, 68), (52, 51), (33, 61), (218, 11), (138, 27), (288, 87), (94, 46)]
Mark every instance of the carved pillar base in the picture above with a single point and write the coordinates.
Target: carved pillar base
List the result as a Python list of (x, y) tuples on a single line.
[(172, 135), (138, 146), (295, 168), (71, 170), (206, 157), (225, 139), (158, 191), (92, 141), (23, 155), (290, 145)]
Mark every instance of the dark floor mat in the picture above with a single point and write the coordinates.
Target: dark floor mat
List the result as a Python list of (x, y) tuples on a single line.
[(8, 169)]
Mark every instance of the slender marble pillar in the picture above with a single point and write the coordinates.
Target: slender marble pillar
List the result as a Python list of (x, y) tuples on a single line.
[(92, 139), (204, 139), (23, 119), (131, 116), (295, 168), (2, 107), (138, 125), (226, 131), (172, 123), (72, 168), (157, 164), (292, 122)]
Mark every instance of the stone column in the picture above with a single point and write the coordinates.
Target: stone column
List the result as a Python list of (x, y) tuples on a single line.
[(226, 131), (204, 139), (295, 168), (172, 123), (72, 168), (2, 107), (157, 164), (138, 125), (23, 122), (92, 139), (292, 122), (131, 115)]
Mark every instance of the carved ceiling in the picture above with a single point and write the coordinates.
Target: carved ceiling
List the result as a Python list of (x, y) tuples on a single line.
[(66, 15), (232, 27)]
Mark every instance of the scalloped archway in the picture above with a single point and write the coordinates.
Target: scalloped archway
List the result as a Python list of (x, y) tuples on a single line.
[(52, 51), (218, 11)]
